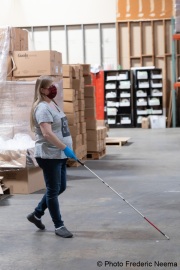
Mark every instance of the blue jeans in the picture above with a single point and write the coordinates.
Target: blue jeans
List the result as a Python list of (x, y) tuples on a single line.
[(54, 171)]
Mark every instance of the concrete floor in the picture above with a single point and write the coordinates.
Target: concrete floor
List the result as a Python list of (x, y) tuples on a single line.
[(146, 172)]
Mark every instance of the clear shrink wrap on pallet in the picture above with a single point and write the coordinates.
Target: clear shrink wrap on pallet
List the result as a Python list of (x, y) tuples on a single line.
[(15, 106), (4, 52)]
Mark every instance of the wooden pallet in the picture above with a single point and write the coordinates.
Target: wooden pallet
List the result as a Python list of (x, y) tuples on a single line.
[(96, 155), (120, 141)]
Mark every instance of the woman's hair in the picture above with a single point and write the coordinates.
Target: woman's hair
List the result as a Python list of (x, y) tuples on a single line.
[(42, 82)]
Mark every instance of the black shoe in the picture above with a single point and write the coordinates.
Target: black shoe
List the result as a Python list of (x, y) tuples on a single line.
[(36, 221), (63, 232)]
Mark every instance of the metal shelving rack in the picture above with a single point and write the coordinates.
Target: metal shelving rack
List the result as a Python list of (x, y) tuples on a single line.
[(118, 98)]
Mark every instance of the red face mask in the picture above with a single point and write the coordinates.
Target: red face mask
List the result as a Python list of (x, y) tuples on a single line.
[(52, 92)]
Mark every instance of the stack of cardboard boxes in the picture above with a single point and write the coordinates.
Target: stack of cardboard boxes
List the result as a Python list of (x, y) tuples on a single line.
[(18, 41), (23, 64), (73, 89), (24, 67), (80, 108), (96, 145), (17, 95)]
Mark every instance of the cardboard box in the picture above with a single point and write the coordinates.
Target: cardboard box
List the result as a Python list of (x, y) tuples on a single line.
[(67, 83), (81, 104), (83, 127), (76, 84), (24, 181), (89, 91), (70, 107), (90, 113), (69, 94), (145, 123), (90, 102), (15, 34), (101, 123), (81, 116), (77, 141), (78, 70), (84, 139), (23, 40), (24, 79), (91, 124), (75, 72), (80, 151), (103, 131), (87, 80), (93, 135), (86, 69), (82, 83), (15, 39), (80, 94), (36, 63), (33, 79), (58, 63), (93, 146), (72, 118), (67, 71), (74, 130)]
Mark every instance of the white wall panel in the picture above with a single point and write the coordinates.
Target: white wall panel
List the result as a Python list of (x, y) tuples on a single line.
[(58, 41), (41, 39), (109, 54), (56, 12), (75, 44), (92, 45)]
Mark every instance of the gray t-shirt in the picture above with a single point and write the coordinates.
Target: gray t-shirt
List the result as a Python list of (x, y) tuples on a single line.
[(59, 124)]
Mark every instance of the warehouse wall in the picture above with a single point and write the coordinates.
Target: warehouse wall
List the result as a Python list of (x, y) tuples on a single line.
[(94, 44), (83, 30), (56, 12)]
